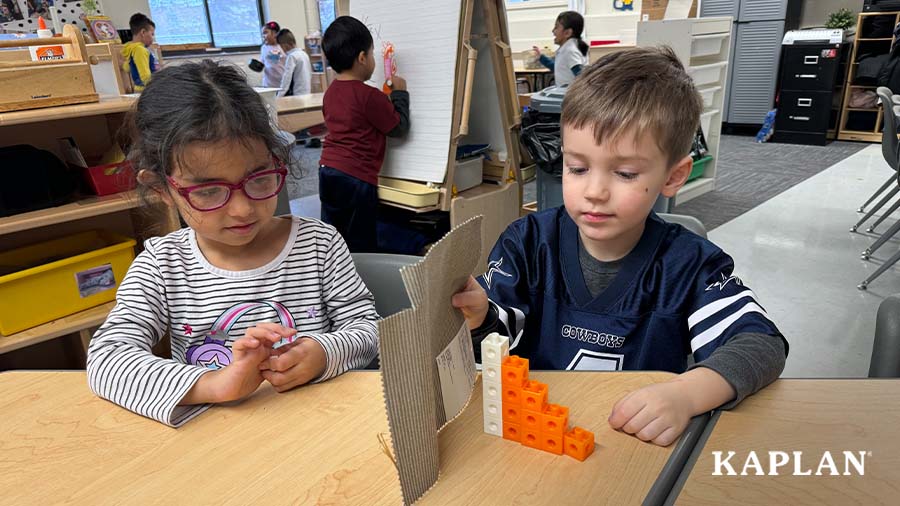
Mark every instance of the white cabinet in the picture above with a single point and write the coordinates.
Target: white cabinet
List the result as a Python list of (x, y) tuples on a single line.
[(703, 46)]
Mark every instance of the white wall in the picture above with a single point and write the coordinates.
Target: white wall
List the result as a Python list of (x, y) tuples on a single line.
[(291, 14), (121, 10), (815, 12)]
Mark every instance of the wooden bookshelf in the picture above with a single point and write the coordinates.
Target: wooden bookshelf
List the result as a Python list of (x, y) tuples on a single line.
[(85, 208), (71, 324), (867, 116), (94, 126), (313, 47)]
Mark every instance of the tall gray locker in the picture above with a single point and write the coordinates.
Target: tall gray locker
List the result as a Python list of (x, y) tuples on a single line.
[(759, 27)]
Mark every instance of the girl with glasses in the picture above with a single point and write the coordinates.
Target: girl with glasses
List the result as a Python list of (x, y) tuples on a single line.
[(245, 296)]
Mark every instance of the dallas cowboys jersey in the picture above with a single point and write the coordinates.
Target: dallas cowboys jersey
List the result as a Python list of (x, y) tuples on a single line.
[(674, 295)]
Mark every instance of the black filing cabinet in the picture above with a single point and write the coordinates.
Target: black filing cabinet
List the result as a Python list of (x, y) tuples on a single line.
[(810, 92)]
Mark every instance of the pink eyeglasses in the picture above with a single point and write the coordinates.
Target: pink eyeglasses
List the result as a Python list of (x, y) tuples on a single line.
[(257, 186)]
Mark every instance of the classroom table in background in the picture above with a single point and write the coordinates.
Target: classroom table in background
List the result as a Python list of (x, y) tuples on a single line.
[(318, 444), (538, 78), (812, 416), (300, 111)]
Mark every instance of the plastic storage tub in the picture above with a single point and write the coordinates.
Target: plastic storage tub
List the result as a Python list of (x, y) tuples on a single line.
[(707, 74), (110, 178), (709, 96), (468, 173), (56, 278), (698, 167), (407, 193)]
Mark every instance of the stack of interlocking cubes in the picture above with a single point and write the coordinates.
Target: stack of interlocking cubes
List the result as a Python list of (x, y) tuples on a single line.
[(516, 408)]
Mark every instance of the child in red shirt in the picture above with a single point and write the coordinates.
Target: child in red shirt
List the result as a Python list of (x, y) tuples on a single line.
[(358, 118)]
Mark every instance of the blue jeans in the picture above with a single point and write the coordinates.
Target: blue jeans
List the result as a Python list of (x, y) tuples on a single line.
[(350, 205)]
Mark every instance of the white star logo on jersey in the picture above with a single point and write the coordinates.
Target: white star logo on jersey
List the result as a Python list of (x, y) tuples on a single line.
[(721, 284), (494, 267)]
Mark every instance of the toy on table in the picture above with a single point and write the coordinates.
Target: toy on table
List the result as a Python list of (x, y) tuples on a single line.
[(390, 66), (517, 408)]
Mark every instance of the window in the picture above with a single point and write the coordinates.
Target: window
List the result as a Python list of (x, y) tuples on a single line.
[(218, 23), (326, 13)]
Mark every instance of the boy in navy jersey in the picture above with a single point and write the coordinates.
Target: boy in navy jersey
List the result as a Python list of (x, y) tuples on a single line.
[(604, 284)]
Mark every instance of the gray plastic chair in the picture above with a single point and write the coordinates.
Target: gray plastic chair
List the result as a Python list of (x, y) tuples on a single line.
[(885, 361), (381, 273), (688, 222), (890, 149), (896, 227)]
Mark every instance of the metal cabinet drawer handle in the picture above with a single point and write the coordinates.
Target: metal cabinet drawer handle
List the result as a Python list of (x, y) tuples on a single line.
[(810, 60), (800, 118), (804, 102)]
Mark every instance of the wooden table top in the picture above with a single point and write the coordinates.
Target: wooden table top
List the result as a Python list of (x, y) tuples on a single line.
[(523, 70), (299, 103), (477, 468), (812, 416), (316, 444)]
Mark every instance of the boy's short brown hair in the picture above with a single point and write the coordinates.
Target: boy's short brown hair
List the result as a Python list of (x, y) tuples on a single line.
[(644, 90), (286, 37)]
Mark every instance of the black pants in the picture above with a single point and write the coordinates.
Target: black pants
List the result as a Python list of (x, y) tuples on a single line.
[(350, 205)]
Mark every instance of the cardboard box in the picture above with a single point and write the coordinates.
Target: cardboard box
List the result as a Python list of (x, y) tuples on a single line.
[(654, 10)]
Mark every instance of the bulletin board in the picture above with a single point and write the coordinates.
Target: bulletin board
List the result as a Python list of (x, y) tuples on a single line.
[(20, 16)]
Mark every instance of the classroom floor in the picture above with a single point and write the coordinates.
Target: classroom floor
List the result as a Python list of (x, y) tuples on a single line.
[(750, 173), (796, 252)]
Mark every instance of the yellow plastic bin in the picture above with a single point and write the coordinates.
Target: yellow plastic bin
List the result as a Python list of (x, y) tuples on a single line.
[(56, 278)]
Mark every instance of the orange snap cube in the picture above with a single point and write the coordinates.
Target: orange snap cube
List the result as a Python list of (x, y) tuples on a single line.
[(554, 419), (512, 395), (514, 370), (579, 443), (552, 443), (531, 420), (512, 431), (531, 438), (534, 395), (512, 414)]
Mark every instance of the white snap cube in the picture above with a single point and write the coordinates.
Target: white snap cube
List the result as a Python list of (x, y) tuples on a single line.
[(494, 348), (491, 373), (493, 407), (493, 391), (493, 425)]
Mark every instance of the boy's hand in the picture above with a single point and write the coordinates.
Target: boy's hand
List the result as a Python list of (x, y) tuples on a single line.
[(241, 377), (398, 83), (472, 300), (657, 413), (295, 364), (660, 413)]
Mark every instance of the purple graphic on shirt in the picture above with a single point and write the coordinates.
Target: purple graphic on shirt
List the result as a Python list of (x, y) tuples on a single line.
[(212, 354), (215, 354)]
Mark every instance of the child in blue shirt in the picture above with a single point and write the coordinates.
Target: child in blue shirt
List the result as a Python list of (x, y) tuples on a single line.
[(604, 284)]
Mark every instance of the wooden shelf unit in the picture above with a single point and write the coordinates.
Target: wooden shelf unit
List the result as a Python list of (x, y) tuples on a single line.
[(94, 127), (71, 324), (320, 78), (84, 208), (856, 134)]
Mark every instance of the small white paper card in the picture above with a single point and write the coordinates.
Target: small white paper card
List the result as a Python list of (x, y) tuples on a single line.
[(456, 369)]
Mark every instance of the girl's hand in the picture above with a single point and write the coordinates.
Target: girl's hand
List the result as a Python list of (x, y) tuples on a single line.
[(295, 364), (537, 51), (241, 377), (472, 300)]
